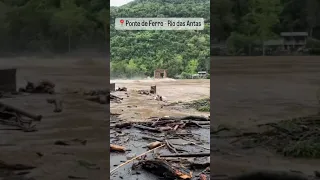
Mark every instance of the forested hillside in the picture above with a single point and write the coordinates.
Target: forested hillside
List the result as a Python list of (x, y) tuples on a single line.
[(53, 25), (137, 53), (240, 23)]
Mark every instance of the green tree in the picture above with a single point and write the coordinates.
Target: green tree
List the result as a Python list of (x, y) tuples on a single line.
[(192, 66), (132, 68), (69, 19), (222, 17), (265, 15), (103, 17)]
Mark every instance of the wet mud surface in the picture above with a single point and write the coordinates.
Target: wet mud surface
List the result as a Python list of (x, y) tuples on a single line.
[(247, 91)]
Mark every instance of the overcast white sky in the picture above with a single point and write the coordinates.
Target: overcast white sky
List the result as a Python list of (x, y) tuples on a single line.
[(119, 2)]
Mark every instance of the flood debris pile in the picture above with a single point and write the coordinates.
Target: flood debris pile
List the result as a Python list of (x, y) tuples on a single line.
[(298, 137), (23, 120), (144, 92), (121, 89), (200, 105), (167, 123), (153, 92), (181, 152), (40, 96), (44, 86), (101, 96), (115, 99)]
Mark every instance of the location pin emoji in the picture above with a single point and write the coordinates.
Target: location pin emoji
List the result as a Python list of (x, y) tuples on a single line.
[(121, 21)]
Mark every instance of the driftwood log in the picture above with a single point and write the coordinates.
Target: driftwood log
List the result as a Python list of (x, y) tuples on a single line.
[(9, 108), (195, 118), (156, 130), (164, 169)]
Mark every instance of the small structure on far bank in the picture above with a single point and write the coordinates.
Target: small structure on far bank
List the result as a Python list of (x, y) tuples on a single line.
[(289, 41), (160, 73), (200, 75)]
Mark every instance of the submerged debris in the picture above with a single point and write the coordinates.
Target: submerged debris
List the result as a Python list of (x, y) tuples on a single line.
[(44, 86), (57, 104), (10, 115), (9, 171), (71, 142), (298, 137)]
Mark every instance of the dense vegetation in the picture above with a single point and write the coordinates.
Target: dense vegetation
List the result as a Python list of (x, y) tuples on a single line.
[(242, 23), (53, 25), (139, 53)]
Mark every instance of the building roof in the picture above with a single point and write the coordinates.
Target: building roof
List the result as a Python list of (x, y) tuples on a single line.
[(294, 34), (273, 42)]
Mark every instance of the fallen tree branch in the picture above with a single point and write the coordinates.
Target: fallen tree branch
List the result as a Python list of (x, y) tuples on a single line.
[(193, 143), (135, 158), (151, 138), (170, 147), (195, 118), (147, 128), (187, 155)]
